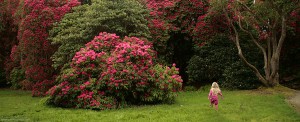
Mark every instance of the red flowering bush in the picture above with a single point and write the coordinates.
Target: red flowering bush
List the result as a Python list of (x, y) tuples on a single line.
[(110, 73), (31, 21), (31, 51), (40, 88), (33, 36), (163, 84)]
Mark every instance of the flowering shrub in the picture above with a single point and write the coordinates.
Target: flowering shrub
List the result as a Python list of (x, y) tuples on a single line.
[(166, 82), (111, 73), (30, 52), (40, 88), (39, 16)]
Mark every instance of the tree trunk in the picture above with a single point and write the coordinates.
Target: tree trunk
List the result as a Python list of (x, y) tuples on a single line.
[(273, 48), (277, 46), (274, 77)]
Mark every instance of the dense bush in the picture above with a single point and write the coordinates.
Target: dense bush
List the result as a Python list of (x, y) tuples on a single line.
[(237, 76), (289, 65), (16, 76), (2, 78), (218, 61), (123, 17), (40, 88), (33, 51), (110, 73), (211, 59)]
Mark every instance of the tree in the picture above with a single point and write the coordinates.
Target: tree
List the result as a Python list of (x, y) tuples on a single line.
[(175, 26), (266, 23), (123, 17), (35, 49), (9, 19)]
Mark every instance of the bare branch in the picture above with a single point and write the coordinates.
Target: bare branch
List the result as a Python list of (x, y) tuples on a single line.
[(266, 66), (268, 63), (276, 54), (282, 36), (253, 39), (240, 53), (274, 41)]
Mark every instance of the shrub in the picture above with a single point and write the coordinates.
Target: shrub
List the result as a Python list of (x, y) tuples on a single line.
[(236, 76), (209, 60), (16, 76), (123, 17), (218, 61), (164, 84), (40, 88), (111, 73), (33, 49)]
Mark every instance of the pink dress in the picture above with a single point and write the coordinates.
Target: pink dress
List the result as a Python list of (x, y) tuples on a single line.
[(213, 98)]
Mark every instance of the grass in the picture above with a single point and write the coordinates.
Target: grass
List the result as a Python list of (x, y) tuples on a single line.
[(189, 106)]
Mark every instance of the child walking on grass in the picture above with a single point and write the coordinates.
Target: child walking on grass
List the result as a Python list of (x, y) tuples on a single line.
[(213, 95)]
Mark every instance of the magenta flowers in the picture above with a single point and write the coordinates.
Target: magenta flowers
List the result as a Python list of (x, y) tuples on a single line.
[(110, 72)]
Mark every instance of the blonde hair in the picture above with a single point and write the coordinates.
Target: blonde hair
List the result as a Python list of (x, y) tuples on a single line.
[(215, 88)]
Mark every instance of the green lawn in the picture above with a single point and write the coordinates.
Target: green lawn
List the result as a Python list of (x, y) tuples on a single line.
[(189, 106)]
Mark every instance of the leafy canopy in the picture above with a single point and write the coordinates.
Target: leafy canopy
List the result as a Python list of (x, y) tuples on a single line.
[(123, 17)]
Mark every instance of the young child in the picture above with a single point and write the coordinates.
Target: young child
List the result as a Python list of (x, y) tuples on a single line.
[(213, 95)]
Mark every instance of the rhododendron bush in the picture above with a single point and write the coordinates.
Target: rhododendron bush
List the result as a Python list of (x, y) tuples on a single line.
[(33, 33), (41, 88), (32, 52), (111, 72)]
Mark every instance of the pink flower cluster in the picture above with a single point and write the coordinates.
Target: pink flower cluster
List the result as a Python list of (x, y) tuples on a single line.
[(86, 95), (41, 88), (130, 62), (108, 71), (84, 55), (103, 42)]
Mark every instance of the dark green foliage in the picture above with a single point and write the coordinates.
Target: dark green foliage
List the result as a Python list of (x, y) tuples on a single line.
[(16, 76), (218, 61), (2, 78), (210, 60), (123, 17), (85, 2), (237, 76), (179, 51), (289, 63)]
